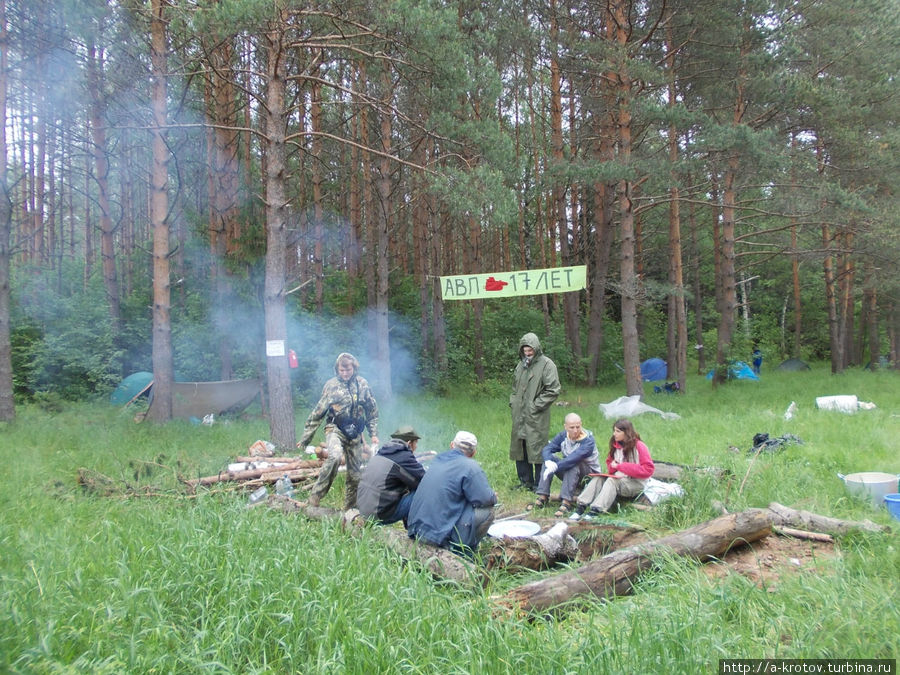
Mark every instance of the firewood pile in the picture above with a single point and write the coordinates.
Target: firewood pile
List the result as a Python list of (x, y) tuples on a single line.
[(263, 468)]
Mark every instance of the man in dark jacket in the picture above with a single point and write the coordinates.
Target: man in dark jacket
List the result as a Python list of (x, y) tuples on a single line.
[(535, 387), (390, 478), (453, 506)]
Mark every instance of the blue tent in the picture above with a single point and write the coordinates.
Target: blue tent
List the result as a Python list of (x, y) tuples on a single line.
[(653, 370), (738, 371)]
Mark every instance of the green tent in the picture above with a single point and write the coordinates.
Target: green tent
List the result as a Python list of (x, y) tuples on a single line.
[(192, 399), (131, 387), (793, 364)]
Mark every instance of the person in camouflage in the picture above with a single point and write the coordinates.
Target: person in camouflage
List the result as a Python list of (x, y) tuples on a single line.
[(348, 408)]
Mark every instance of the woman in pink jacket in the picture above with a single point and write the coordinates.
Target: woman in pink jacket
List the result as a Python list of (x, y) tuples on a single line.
[(629, 466)]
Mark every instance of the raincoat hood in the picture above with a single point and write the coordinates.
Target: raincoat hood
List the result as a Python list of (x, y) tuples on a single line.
[(530, 340)]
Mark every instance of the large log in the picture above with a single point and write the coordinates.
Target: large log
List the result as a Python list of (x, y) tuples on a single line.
[(614, 574), (440, 562), (782, 515)]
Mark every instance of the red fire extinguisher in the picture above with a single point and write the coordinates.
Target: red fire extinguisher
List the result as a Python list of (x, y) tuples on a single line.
[(292, 358)]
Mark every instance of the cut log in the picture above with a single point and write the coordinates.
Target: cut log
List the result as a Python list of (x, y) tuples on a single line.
[(803, 534), (614, 574), (249, 474), (784, 516), (539, 552)]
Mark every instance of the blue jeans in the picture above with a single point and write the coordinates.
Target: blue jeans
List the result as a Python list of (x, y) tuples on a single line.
[(401, 512)]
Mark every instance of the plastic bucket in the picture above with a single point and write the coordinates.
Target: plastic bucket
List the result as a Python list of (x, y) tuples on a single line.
[(892, 501), (873, 485)]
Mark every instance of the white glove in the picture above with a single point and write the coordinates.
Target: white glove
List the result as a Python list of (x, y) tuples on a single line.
[(550, 468)]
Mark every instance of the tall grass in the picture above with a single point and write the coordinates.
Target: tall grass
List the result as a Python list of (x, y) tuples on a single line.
[(172, 583)]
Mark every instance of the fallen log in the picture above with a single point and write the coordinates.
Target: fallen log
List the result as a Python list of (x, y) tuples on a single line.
[(784, 516), (614, 574), (669, 471), (440, 562)]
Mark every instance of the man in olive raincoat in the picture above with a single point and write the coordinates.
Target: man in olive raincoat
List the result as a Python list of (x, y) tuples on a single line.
[(535, 387)]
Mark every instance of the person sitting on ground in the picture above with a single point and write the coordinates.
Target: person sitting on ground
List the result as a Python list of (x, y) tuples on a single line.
[(453, 505), (390, 479), (629, 466), (578, 458)]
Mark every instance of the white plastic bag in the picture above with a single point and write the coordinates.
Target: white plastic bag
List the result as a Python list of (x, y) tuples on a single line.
[(657, 491), (629, 406), (845, 403)]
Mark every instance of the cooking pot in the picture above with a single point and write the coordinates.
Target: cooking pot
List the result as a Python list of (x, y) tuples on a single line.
[(873, 485)]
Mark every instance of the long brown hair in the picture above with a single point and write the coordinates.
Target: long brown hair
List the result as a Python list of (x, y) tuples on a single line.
[(631, 437)]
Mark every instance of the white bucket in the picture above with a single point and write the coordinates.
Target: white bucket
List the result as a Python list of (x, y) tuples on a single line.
[(873, 485)]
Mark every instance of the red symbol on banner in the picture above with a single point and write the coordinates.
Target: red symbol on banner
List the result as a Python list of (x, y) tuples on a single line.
[(493, 284)]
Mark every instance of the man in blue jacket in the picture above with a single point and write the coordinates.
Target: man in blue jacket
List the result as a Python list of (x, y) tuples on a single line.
[(453, 506), (390, 478)]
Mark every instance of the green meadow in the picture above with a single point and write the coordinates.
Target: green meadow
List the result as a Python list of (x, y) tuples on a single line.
[(144, 577)]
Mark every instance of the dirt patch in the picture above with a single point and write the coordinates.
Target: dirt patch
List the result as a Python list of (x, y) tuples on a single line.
[(768, 560)]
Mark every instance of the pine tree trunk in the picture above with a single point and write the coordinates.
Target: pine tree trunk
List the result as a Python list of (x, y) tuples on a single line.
[(726, 280), (870, 304), (318, 226), (223, 194), (7, 401), (604, 230), (634, 385), (382, 252), (698, 293), (846, 310), (281, 411), (163, 368), (677, 348)]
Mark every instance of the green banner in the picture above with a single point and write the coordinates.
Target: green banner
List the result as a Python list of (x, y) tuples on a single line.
[(509, 284)]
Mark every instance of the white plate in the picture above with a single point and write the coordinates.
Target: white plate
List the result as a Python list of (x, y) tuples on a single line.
[(514, 528)]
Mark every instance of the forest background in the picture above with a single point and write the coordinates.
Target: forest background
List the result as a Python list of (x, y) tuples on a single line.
[(186, 183)]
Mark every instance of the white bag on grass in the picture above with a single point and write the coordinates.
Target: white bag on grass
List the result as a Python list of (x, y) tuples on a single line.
[(657, 491)]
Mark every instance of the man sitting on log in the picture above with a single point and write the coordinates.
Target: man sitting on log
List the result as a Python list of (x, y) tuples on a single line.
[(453, 506), (390, 478), (571, 455)]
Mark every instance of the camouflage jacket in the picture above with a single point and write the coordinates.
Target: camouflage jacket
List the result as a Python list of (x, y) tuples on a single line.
[(343, 404)]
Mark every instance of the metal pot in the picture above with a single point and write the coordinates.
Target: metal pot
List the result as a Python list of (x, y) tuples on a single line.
[(873, 485)]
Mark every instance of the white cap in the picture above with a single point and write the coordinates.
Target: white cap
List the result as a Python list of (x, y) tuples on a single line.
[(465, 440)]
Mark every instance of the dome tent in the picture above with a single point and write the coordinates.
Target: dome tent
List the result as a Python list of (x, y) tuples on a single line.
[(653, 370), (793, 364)]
